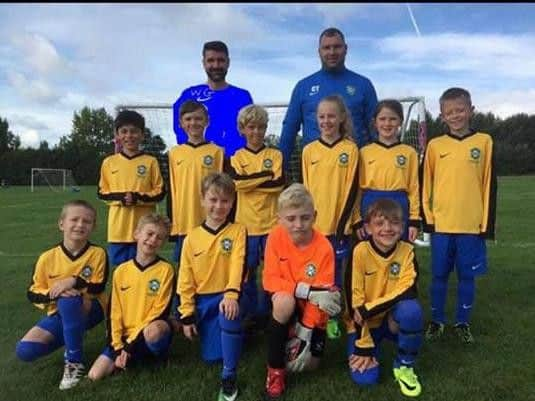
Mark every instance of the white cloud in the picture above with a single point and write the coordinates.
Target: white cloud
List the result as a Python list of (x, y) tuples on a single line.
[(29, 138), (485, 54), (39, 53), (36, 90)]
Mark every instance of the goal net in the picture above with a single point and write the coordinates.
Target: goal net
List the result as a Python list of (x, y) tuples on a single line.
[(159, 119), (52, 178)]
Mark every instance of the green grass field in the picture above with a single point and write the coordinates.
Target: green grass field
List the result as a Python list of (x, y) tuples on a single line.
[(499, 366)]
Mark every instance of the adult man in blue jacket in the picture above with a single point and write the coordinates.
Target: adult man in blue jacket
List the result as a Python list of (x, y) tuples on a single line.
[(222, 100), (333, 78)]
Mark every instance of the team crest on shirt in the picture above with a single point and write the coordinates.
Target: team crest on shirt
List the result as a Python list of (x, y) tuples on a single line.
[(226, 245), (351, 90), (311, 270), (141, 170), (343, 159), (394, 270), (475, 154), (86, 272), (268, 164), (154, 286), (314, 90), (401, 160), (208, 161)]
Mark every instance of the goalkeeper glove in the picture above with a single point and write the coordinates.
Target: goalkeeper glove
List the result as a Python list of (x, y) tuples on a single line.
[(297, 350), (327, 299)]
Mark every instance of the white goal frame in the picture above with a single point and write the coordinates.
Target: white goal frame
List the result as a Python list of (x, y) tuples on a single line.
[(419, 141), (38, 170)]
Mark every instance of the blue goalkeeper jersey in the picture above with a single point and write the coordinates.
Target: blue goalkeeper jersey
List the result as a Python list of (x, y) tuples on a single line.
[(356, 90), (223, 108)]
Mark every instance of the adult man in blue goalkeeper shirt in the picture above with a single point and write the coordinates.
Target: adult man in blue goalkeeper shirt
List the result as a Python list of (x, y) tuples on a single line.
[(222, 100), (333, 78)]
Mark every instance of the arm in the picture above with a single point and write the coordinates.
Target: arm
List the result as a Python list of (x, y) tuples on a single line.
[(115, 318), (246, 182), (427, 190), (38, 291), (305, 166), (352, 183), (186, 287), (276, 184), (104, 190), (290, 126), (237, 266), (413, 190), (490, 185), (364, 344)]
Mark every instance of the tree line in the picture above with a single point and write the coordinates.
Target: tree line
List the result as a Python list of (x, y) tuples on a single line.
[(91, 140)]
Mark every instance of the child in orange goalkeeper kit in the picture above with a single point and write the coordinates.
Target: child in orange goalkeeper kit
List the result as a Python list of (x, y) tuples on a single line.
[(299, 276)]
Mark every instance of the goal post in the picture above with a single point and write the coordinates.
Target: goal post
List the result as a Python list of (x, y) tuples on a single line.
[(55, 179), (159, 119)]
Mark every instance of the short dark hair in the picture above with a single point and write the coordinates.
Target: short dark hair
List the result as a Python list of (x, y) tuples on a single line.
[(216, 46), (126, 117), (332, 32), (455, 93), (189, 106), (391, 104)]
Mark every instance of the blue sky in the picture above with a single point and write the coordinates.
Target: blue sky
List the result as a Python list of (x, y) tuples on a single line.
[(57, 58)]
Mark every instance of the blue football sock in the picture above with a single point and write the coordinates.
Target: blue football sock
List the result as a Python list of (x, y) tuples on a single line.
[(465, 299), (29, 351), (231, 345), (439, 289), (409, 316), (70, 310)]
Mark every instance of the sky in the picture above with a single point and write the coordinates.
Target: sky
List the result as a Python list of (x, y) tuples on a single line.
[(57, 58)]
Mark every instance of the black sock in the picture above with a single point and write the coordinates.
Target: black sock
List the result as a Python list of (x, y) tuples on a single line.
[(277, 337)]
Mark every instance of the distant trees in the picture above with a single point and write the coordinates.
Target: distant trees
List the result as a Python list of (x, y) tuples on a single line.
[(82, 151), (8, 141)]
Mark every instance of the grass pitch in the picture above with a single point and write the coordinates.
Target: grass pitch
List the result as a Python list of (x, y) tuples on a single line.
[(499, 366)]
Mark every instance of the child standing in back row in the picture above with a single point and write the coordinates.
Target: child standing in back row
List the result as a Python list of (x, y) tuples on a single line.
[(189, 163), (459, 204), (131, 184), (389, 169), (330, 174), (257, 173)]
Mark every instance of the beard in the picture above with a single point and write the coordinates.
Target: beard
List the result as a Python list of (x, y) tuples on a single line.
[(331, 67), (217, 75)]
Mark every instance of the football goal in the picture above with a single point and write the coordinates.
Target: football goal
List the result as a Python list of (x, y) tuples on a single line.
[(55, 179), (159, 119)]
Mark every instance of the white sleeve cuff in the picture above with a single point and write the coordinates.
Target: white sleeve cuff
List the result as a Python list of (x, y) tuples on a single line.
[(302, 290)]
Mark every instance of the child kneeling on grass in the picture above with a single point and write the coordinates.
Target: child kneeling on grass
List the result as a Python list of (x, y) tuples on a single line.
[(68, 281), (384, 300), (140, 301), (299, 275)]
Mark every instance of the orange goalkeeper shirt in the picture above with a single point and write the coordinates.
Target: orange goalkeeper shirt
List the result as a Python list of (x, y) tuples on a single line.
[(285, 265)]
